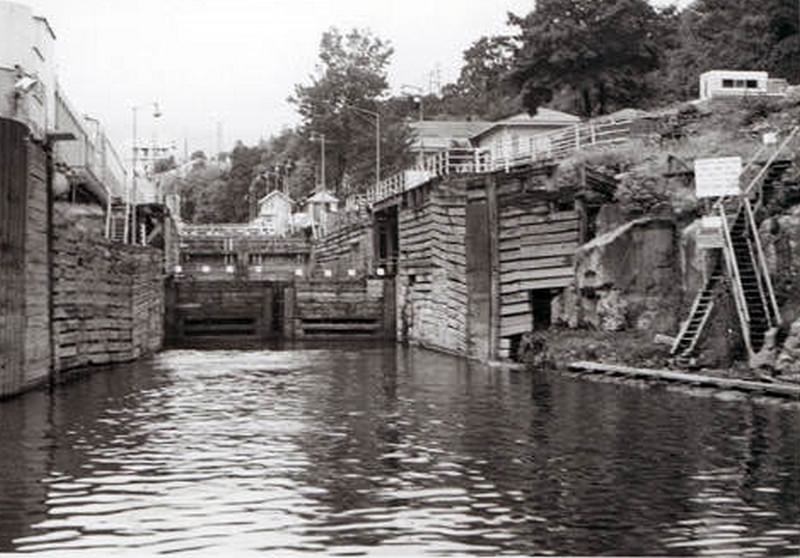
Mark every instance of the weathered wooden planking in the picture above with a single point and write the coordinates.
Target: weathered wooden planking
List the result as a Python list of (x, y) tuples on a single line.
[(517, 263), (543, 239), (519, 286), (527, 231), (534, 274), (527, 219), (515, 325), (516, 309)]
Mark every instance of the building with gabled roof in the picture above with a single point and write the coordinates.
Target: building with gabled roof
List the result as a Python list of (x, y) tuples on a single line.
[(432, 136), (511, 137), (275, 213)]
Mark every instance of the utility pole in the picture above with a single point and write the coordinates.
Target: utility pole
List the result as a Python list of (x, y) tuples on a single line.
[(377, 118), (421, 94), (132, 191), (316, 136), (219, 139)]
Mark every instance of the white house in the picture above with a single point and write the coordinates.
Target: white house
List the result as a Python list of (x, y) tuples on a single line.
[(275, 213), (319, 206), (521, 134), (738, 83)]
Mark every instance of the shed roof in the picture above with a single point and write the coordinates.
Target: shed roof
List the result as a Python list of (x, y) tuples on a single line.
[(323, 197), (438, 134), (275, 193), (543, 117)]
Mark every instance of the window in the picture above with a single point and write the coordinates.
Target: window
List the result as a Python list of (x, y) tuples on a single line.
[(727, 83), (752, 84), (514, 145)]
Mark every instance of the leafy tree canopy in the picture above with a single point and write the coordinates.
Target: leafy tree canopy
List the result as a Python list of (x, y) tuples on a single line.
[(593, 53), (352, 75)]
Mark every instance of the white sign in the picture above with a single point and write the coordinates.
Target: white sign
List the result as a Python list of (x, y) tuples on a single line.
[(710, 234), (770, 138), (717, 178)]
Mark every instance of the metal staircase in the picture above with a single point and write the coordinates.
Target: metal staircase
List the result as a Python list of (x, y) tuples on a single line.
[(691, 329), (745, 264), (773, 185), (750, 281)]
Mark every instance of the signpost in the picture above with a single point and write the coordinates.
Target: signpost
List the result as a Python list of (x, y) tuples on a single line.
[(716, 178), (710, 234)]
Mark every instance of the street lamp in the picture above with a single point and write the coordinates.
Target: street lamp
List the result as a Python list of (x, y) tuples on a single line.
[(133, 191), (377, 117), (420, 96), (316, 136)]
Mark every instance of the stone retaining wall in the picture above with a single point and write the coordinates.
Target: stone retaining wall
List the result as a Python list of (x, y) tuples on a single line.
[(108, 299)]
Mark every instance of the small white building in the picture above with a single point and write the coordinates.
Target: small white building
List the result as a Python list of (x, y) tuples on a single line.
[(522, 134), (319, 207), (738, 83), (275, 213)]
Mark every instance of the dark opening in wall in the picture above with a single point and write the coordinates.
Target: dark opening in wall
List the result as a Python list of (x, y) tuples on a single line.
[(541, 305)]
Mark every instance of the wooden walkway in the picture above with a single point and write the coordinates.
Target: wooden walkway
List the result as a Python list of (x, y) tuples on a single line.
[(764, 388)]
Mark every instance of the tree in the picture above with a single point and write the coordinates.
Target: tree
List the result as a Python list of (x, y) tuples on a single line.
[(198, 195), (164, 165), (589, 53), (482, 89), (351, 76), (735, 34)]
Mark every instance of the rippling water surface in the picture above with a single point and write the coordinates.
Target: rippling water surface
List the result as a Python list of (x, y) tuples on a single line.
[(385, 451)]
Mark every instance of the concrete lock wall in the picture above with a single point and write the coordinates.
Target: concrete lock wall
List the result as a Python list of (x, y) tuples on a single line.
[(24, 280), (68, 297)]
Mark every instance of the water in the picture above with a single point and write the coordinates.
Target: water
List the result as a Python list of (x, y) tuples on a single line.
[(384, 451)]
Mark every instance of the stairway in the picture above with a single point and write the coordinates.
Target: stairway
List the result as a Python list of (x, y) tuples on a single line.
[(750, 279), (117, 220), (701, 310), (772, 182)]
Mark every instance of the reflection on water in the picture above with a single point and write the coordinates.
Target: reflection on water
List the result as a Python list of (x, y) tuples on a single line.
[(390, 451)]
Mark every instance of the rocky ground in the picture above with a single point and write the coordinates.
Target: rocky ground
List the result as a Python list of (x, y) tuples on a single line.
[(557, 347)]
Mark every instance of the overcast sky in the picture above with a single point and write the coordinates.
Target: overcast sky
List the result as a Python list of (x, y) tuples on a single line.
[(236, 61)]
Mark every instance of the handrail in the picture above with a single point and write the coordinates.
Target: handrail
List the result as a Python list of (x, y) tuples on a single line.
[(758, 272), (762, 261), (553, 145), (733, 269), (771, 160), (754, 158)]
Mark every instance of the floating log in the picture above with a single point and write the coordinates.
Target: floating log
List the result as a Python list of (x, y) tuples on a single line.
[(783, 390)]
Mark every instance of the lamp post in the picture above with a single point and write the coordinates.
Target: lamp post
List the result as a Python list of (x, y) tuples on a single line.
[(377, 117), (132, 193), (316, 136), (420, 92)]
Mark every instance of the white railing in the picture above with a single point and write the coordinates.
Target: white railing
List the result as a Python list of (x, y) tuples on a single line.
[(223, 230), (548, 146), (90, 154)]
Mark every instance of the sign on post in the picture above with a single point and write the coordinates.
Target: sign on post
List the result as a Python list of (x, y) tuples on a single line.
[(716, 178), (710, 234)]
